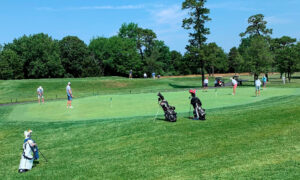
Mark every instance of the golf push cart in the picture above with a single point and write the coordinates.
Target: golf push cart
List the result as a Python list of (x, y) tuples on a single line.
[(219, 82)]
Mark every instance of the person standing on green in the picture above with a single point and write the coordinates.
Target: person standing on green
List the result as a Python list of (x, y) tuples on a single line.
[(264, 80)]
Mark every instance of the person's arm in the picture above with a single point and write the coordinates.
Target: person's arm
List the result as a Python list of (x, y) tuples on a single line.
[(70, 92)]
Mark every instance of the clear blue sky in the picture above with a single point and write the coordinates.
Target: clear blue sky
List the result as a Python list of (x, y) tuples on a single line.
[(92, 18)]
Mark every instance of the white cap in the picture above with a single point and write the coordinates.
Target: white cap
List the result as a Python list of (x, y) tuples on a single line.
[(27, 134), (69, 83)]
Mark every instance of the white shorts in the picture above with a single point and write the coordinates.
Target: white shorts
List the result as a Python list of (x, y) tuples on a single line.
[(39, 97)]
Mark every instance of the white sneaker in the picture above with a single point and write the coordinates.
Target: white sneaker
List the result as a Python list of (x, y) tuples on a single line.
[(71, 107)]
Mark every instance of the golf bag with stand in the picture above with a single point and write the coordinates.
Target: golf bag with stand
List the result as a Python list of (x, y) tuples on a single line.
[(170, 114), (199, 112)]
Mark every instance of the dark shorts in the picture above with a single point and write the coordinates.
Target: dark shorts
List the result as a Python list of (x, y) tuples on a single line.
[(69, 98), (205, 85)]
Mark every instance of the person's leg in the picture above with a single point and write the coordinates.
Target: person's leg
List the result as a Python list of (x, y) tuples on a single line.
[(233, 93), (68, 102), (43, 100)]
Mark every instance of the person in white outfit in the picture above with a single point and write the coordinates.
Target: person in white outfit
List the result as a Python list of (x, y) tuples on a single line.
[(257, 87), (40, 93)]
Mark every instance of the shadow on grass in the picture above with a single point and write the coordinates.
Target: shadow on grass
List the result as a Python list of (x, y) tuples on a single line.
[(183, 86)]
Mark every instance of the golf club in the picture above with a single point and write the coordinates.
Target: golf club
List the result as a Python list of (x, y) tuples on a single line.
[(156, 113), (43, 156)]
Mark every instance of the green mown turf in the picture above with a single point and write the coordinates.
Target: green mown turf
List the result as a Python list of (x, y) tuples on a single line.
[(25, 90), (132, 105), (244, 137)]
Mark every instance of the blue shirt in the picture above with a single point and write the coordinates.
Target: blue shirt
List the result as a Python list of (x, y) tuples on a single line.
[(68, 89)]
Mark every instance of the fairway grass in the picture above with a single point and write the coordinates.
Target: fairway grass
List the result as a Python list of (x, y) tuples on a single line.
[(244, 137)]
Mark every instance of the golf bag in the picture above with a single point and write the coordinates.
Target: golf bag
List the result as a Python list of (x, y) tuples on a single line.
[(199, 112), (170, 114)]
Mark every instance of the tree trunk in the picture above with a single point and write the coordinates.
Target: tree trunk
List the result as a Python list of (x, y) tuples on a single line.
[(213, 71), (266, 74), (281, 75), (141, 53)]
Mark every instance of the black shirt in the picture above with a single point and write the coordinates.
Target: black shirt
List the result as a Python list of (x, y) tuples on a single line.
[(195, 100)]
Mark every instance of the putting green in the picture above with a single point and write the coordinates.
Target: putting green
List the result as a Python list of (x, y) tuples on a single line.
[(131, 105)]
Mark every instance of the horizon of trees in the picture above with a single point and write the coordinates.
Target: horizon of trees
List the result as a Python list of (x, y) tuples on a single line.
[(138, 49)]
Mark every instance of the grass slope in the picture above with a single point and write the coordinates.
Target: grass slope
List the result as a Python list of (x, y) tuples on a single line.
[(244, 138)]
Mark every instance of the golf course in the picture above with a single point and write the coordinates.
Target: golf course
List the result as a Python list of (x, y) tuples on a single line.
[(117, 130)]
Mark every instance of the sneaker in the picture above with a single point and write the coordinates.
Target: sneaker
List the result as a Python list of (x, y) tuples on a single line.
[(71, 107)]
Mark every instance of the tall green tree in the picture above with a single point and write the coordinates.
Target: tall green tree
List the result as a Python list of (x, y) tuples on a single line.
[(11, 65), (215, 58), (258, 33), (258, 56), (39, 54), (198, 16), (235, 61), (117, 56), (144, 38), (257, 26), (73, 53), (177, 61), (286, 58)]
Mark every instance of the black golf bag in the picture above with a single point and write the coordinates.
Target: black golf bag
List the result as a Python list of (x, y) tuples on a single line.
[(170, 114), (199, 113)]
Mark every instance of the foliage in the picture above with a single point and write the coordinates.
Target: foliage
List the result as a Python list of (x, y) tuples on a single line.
[(39, 54), (116, 55), (215, 58), (11, 65), (286, 55), (258, 57), (257, 26), (196, 21), (235, 60), (73, 53)]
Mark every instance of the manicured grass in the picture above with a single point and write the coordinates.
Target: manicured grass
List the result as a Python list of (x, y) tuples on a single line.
[(25, 90), (133, 105), (244, 137)]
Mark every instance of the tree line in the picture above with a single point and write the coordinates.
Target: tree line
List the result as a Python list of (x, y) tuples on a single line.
[(257, 53), (138, 49)]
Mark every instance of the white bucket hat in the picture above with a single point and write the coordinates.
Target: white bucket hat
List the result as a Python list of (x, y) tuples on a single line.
[(27, 134)]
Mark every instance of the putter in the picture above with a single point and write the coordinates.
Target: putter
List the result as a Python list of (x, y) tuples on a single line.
[(43, 156)]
